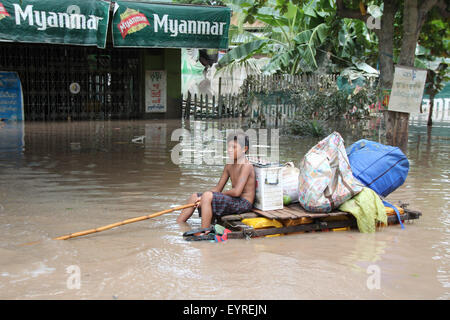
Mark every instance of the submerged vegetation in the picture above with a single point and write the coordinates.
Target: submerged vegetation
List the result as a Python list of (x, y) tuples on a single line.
[(315, 106), (318, 109)]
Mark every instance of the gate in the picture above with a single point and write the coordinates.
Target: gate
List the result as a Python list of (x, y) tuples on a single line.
[(79, 83)]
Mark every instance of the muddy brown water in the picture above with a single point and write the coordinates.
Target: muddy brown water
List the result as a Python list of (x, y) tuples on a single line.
[(72, 176)]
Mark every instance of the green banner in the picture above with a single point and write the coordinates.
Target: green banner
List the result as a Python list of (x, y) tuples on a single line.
[(170, 26), (77, 22)]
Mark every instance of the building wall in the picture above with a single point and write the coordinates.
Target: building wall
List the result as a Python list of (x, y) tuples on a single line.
[(170, 61)]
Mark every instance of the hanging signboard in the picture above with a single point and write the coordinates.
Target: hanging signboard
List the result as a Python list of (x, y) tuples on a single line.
[(170, 26), (407, 89), (155, 91), (77, 22), (11, 99)]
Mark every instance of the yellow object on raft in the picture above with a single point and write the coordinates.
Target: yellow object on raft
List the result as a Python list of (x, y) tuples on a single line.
[(262, 223), (390, 211), (298, 221), (259, 223)]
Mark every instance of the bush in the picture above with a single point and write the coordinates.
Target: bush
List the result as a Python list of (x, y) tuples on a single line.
[(315, 107), (304, 127)]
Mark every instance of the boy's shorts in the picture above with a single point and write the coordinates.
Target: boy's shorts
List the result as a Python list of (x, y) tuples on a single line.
[(223, 204)]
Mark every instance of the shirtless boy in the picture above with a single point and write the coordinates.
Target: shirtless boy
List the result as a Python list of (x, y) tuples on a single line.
[(239, 198)]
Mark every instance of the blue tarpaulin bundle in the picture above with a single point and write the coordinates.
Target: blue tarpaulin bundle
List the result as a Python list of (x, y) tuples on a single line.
[(380, 167)]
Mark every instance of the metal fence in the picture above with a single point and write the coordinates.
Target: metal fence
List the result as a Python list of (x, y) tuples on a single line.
[(74, 82), (263, 93)]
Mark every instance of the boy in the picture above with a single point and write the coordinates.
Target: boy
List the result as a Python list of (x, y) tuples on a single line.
[(239, 198)]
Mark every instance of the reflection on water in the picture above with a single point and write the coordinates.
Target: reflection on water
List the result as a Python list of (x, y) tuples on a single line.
[(58, 178)]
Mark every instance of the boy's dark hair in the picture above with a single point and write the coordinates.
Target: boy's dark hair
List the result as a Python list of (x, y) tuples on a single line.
[(240, 138)]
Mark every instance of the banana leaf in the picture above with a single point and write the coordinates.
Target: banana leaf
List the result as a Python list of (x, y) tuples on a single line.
[(243, 51)]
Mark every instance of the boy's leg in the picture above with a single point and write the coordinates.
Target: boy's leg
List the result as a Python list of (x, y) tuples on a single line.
[(186, 213), (206, 205)]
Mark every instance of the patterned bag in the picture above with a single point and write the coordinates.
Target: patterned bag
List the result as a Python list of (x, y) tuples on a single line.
[(326, 180)]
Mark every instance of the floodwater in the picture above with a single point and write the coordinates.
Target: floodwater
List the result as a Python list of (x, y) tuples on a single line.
[(59, 178)]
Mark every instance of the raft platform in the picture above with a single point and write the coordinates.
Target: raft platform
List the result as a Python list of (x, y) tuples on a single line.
[(295, 219)]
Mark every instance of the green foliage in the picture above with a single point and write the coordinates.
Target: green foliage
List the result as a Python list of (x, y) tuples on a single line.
[(317, 109), (436, 79), (435, 35), (243, 52), (305, 36), (307, 127), (293, 35)]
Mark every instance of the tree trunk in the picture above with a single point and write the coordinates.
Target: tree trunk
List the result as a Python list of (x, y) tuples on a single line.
[(430, 112), (410, 33), (414, 16), (397, 129), (397, 122), (385, 46)]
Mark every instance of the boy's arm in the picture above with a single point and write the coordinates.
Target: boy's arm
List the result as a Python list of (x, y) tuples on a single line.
[(242, 180), (222, 182)]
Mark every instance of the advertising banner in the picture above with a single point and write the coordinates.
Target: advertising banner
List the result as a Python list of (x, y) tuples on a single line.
[(76, 22), (170, 26)]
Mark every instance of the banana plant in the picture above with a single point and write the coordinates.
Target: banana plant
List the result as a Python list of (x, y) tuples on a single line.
[(290, 41)]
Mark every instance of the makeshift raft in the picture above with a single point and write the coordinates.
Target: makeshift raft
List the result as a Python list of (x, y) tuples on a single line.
[(294, 218)]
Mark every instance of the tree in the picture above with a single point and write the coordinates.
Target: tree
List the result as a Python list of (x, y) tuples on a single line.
[(414, 16), (432, 44), (434, 84), (401, 24), (301, 38), (291, 41)]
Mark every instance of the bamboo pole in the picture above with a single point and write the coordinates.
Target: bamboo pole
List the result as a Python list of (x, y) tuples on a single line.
[(121, 223), (118, 224)]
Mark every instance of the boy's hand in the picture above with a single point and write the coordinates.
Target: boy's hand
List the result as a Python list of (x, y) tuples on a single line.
[(197, 202)]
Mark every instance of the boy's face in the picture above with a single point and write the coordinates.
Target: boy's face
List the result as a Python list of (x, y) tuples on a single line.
[(235, 151)]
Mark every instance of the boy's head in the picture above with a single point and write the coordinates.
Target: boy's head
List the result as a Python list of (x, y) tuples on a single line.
[(237, 145)]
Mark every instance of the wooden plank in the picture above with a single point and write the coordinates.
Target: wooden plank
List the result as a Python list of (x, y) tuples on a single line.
[(266, 214), (318, 225), (241, 216), (284, 214), (275, 214), (201, 106), (187, 110), (213, 108), (206, 106), (304, 213), (302, 227), (296, 213), (338, 213), (195, 106), (239, 225)]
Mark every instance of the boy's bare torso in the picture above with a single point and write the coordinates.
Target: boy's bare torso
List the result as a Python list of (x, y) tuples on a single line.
[(234, 171)]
